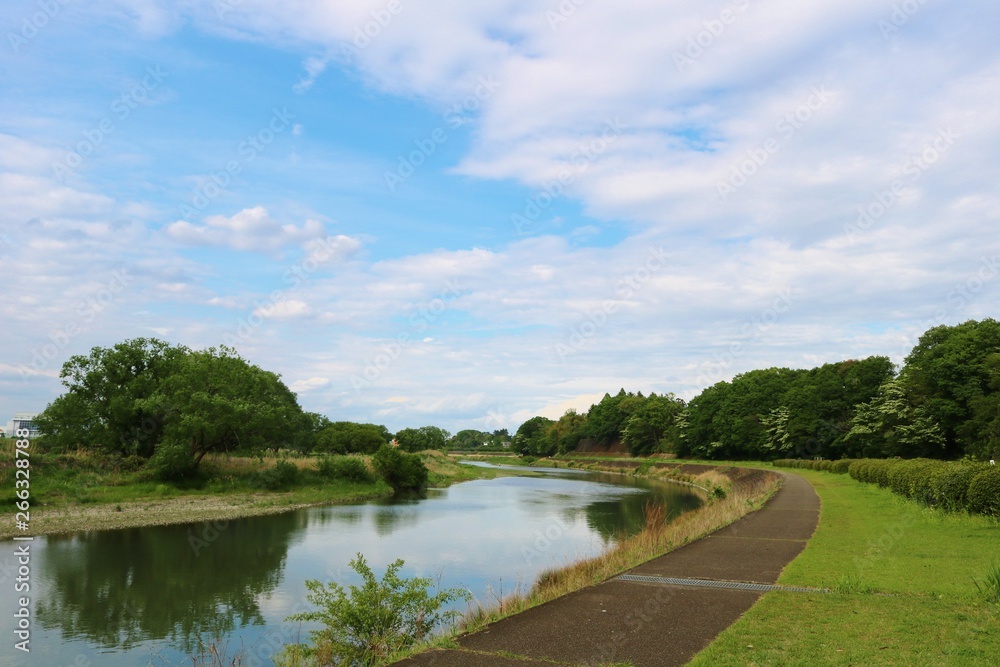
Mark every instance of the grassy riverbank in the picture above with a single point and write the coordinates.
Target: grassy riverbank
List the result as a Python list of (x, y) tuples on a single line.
[(88, 491), (903, 577)]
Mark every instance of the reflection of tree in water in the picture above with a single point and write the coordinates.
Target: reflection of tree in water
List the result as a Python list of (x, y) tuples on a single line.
[(120, 587), (626, 514), (613, 517), (398, 512)]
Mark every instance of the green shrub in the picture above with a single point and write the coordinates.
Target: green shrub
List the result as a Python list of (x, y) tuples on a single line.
[(376, 620), (171, 461), (859, 470), (400, 470), (951, 485), (344, 467), (842, 466), (984, 492), (281, 476)]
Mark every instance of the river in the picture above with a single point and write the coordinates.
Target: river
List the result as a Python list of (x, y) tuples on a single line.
[(144, 596)]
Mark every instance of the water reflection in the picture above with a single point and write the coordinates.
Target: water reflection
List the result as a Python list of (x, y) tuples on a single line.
[(129, 593), (118, 588)]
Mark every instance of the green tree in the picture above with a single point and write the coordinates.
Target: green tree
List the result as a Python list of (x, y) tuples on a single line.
[(533, 437), (373, 621), (889, 425), (351, 438), (400, 470), (778, 441), (982, 431), (566, 433), (948, 373), (216, 401), (608, 418), (822, 402), (420, 439), (469, 439), (106, 404), (650, 427)]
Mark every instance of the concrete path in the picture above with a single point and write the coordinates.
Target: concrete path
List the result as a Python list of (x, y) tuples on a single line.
[(646, 621)]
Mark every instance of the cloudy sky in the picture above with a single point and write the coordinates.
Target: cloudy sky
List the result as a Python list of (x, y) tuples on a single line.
[(466, 214)]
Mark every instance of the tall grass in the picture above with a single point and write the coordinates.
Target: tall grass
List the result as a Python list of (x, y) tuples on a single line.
[(989, 585)]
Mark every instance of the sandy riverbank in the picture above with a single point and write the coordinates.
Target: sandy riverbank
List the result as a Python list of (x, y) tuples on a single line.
[(162, 512)]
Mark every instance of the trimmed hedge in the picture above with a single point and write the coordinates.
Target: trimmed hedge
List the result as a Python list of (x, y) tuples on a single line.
[(984, 492), (952, 485), (839, 467)]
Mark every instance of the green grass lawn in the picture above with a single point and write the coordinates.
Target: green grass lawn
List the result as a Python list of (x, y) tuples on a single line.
[(905, 592)]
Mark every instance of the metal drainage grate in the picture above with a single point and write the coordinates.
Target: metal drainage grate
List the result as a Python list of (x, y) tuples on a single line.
[(711, 583)]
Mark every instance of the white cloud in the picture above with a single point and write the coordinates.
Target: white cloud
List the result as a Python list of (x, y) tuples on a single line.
[(302, 386), (250, 229)]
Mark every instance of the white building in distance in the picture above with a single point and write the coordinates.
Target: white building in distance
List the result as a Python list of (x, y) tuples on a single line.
[(23, 420)]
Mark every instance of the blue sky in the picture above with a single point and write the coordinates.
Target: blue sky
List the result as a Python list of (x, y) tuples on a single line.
[(465, 215)]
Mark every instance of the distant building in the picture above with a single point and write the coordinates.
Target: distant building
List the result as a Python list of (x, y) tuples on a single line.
[(23, 420)]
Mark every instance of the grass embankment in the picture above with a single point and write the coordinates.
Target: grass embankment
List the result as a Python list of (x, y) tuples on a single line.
[(89, 491), (903, 581), (745, 491)]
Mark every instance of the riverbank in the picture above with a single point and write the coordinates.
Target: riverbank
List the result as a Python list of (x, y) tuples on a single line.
[(746, 491), (75, 495)]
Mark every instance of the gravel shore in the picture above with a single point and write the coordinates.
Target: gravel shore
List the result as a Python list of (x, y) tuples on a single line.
[(184, 509)]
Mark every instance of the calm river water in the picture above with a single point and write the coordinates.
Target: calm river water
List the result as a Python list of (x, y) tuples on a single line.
[(145, 596)]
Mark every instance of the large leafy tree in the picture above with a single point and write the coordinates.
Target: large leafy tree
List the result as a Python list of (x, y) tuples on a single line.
[(948, 373), (107, 399), (217, 401), (650, 427), (349, 437), (567, 432), (606, 420), (419, 439), (889, 425), (533, 437), (982, 431), (821, 403)]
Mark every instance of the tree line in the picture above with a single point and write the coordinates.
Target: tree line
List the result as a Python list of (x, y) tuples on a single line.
[(169, 406), (944, 403)]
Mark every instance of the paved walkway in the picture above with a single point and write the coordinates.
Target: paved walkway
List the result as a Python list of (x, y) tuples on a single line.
[(649, 622)]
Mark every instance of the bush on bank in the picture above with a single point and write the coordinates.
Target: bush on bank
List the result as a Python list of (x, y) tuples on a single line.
[(958, 486)]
